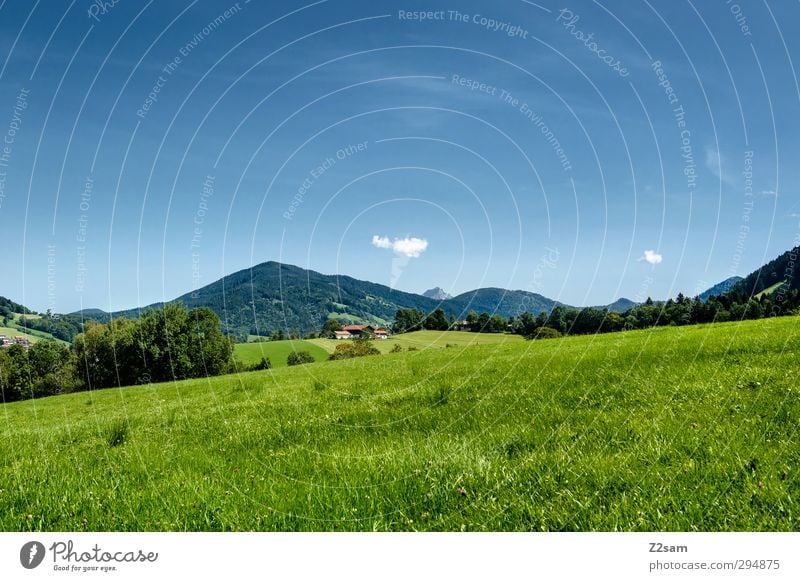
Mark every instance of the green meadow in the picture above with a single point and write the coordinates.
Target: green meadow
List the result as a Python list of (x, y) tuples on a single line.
[(675, 428), (30, 335), (275, 351), (428, 340)]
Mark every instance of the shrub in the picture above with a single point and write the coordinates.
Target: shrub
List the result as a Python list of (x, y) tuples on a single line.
[(545, 333), (261, 365), (299, 358), (354, 349), (396, 348)]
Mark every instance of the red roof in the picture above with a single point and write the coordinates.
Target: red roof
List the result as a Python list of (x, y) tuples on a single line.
[(354, 327), (381, 332)]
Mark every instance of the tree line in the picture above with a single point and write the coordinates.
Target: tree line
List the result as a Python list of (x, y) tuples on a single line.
[(570, 321), (164, 344)]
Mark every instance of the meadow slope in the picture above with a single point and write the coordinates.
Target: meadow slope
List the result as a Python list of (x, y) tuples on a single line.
[(275, 351), (689, 428)]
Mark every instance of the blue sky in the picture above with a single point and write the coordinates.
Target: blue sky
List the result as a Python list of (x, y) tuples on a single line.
[(584, 151)]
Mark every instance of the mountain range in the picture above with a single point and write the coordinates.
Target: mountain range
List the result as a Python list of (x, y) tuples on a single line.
[(272, 295)]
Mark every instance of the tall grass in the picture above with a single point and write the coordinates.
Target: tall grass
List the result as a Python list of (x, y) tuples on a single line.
[(689, 428)]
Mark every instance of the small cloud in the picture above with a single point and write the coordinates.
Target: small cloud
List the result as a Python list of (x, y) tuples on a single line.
[(716, 164), (768, 193), (651, 257), (381, 242), (410, 247)]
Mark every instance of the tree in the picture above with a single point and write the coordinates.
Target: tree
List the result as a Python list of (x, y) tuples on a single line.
[(164, 344), (15, 374), (330, 327), (52, 368), (436, 321), (164, 339), (481, 323), (497, 324), (262, 365), (210, 350), (613, 322), (407, 320), (525, 324), (96, 354)]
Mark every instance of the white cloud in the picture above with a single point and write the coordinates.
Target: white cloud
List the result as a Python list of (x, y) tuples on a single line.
[(410, 247), (717, 164), (651, 256), (768, 193), (381, 242)]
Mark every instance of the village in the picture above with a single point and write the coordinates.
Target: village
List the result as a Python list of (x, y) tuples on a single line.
[(361, 331)]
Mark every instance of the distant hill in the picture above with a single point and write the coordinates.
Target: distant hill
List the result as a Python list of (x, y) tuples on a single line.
[(9, 307), (621, 305), (500, 301), (273, 296), (783, 269), (719, 288), (437, 294), (96, 314)]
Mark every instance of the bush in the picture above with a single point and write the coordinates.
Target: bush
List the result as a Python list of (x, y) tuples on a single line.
[(545, 333), (396, 348), (354, 349), (299, 358), (261, 365)]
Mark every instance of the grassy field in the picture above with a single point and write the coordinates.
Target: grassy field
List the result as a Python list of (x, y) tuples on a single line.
[(32, 336), (18, 316), (429, 340), (687, 428), (276, 351)]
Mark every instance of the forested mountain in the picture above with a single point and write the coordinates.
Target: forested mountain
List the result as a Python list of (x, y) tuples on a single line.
[(782, 271), (719, 288), (498, 301), (273, 296)]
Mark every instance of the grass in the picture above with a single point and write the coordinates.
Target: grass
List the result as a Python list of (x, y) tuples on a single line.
[(32, 336), (18, 316), (428, 340), (276, 351), (768, 291), (683, 428)]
